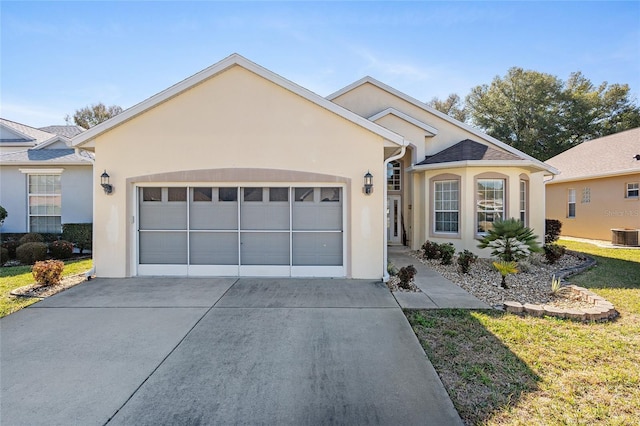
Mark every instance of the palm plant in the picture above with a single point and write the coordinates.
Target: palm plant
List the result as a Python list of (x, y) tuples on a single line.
[(510, 240), (505, 268)]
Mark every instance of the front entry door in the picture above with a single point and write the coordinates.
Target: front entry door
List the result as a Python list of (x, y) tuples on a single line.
[(394, 219)]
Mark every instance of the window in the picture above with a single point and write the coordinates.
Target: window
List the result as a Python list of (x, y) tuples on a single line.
[(393, 176), (227, 194), (330, 194), (490, 203), (177, 194), (45, 203), (571, 201), (151, 194), (278, 194), (523, 202), (586, 195), (253, 194), (446, 206), (202, 194), (304, 194), (633, 190)]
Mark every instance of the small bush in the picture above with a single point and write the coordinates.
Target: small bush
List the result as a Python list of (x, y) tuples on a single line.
[(4, 256), (80, 234), (525, 265), (552, 228), (3, 215), (391, 269), (48, 272), (465, 259), (553, 252), (29, 253), (406, 275), (431, 250), (510, 240), (61, 249), (447, 250), (32, 237), (11, 247)]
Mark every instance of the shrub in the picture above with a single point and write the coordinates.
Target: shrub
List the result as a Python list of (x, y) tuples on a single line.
[(505, 268), (4, 256), (32, 237), (553, 252), (447, 250), (80, 234), (61, 249), (406, 275), (30, 253), (510, 240), (391, 269), (11, 247), (431, 250), (3, 215), (48, 272), (552, 228), (465, 259)]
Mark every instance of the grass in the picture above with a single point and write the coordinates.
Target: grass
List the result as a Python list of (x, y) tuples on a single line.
[(17, 276), (501, 369)]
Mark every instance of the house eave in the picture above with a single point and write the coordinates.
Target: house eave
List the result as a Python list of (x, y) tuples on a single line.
[(558, 179), (481, 163)]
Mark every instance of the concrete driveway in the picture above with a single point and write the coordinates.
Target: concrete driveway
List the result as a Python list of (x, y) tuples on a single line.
[(217, 351)]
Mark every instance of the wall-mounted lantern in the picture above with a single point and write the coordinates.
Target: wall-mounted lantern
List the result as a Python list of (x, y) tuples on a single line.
[(104, 182), (368, 183)]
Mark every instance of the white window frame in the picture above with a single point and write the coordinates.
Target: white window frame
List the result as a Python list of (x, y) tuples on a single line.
[(55, 172), (524, 188), (394, 180), (586, 195), (632, 187), (501, 213), (571, 202), (443, 210)]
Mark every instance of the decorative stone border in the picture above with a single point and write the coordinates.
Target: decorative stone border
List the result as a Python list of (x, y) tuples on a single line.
[(602, 309)]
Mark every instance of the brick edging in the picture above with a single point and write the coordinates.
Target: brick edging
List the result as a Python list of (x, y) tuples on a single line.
[(602, 309)]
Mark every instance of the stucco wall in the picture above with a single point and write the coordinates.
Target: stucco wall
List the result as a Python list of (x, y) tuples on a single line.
[(77, 193), (467, 238), (238, 120), (608, 208)]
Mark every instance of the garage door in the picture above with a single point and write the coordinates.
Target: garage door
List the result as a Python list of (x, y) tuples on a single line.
[(241, 231)]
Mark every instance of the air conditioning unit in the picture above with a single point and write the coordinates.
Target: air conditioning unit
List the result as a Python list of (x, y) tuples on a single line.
[(625, 237)]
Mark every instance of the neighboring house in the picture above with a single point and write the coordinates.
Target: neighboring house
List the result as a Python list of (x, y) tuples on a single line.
[(44, 181), (238, 171), (598, 187)]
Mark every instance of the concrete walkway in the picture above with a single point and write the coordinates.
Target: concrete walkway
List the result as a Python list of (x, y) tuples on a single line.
[(217, 351), (437, 291)]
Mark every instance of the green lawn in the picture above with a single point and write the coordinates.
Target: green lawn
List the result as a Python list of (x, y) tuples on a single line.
[(502, 369), (18, 276)]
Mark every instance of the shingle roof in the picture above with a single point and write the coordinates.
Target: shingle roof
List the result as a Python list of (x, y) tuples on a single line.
[(34, 135), (46, 156), (609, 155), (65, 131), (467, 150)]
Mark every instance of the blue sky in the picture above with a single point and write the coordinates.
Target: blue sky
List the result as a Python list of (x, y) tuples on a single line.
[(59, 56)]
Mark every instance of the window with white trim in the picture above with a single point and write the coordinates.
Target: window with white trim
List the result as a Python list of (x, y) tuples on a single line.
[(45, 203), (394, 176), (523, 202), (490, 203), (633, 190), (586, 195), (571, 203), (446, 210)]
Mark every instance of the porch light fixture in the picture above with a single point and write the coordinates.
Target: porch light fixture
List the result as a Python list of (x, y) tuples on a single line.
[(104, 182), (368, 183)]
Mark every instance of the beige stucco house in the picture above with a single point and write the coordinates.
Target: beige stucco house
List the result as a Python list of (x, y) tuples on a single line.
[(236, 171), (598, 186)]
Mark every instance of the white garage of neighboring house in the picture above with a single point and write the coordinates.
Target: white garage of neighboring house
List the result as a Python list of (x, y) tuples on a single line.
[(236, 171)]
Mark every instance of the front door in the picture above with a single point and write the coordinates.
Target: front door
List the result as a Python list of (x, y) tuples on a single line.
[(394, 219)]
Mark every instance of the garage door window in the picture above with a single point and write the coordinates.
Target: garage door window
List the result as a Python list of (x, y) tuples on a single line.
[(290, 227)]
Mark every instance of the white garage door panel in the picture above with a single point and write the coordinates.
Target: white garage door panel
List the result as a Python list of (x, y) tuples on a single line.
[(246, 231)]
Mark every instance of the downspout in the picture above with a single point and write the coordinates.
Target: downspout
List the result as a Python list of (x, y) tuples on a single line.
[(385, 273)]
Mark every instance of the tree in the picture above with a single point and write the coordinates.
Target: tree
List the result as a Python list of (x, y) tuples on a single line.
[(89, 116), (543, 116), (452, 106), (3, 215)]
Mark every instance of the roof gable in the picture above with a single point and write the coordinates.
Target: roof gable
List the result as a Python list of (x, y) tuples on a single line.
[(607, 156), (85, 138), (468, 150), (482, 136), (430, 130)]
